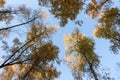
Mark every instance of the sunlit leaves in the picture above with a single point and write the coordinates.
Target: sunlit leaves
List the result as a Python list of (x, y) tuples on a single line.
[(80, 53), (46, 53), (66, 9), (110, 16), (36, 55), (2, 2), (42, 52), (9, 72), (108, 28), (43, 14), (5, 15), (41, 32), (4, 33), (94, 7)]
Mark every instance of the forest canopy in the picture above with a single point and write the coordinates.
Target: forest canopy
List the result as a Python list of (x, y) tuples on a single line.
[(28, 49)]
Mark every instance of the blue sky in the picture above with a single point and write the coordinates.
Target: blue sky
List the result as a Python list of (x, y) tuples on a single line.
[(101, 48)]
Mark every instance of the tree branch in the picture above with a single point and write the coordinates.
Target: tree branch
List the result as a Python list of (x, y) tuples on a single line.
[(116, 39), (16, 52), (91, 67), (20, 49), (9, 64), (104, 2), (27, 73), (19, 24)]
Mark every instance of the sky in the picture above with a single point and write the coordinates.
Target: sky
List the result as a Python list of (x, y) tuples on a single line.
[(108, 60)]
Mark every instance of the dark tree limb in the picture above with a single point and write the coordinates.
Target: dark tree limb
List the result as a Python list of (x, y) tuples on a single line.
[(7, 28), (104, 2), (15, 52), (26, 74), (10, 64), (5, 62), (91, 68)]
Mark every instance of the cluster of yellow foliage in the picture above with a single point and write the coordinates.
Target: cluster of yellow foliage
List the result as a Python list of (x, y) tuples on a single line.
[(2, 2), (79, 53)]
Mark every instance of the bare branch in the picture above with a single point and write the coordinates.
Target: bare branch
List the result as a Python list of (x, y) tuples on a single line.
[(16, 52), (19, 24), (104, 2), (10, 64)]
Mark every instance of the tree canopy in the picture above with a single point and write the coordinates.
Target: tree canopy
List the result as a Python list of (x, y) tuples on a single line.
[(27, 48)]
